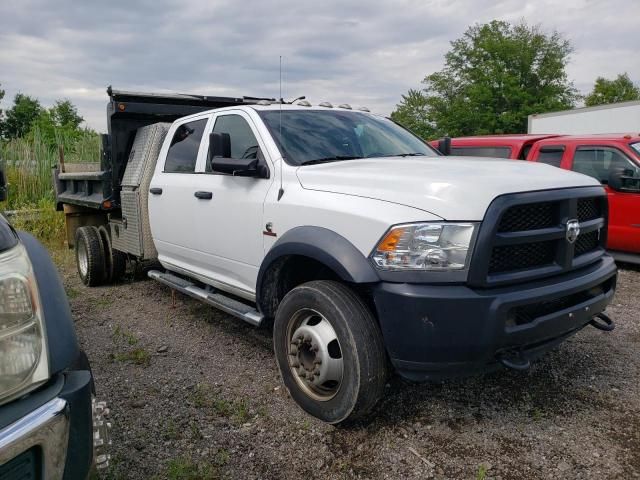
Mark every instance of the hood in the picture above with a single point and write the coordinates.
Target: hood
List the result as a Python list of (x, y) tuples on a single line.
[(453, 188)]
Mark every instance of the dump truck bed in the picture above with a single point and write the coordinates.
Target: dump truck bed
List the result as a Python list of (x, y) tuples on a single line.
[(97, 186)]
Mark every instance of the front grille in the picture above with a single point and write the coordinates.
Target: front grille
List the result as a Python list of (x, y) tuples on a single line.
[(532, 216), (588, 209), (517, 257), (526, 235), (24, 467), (528, 313), (587, 242)]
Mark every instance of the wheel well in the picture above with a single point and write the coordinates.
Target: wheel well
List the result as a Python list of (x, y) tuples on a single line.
[(286, 273)]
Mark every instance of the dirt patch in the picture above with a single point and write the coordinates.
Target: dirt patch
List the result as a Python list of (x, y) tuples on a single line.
[(195, 393)]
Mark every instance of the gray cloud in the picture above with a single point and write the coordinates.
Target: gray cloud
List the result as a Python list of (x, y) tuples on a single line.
[(358, 52)]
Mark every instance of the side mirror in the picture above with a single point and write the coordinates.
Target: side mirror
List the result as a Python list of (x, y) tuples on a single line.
[(221, 161), (3, 186), (623, 180), (444, 145), (219, 145)]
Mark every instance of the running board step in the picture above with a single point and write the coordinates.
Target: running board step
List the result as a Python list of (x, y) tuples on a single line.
[(222, 302)]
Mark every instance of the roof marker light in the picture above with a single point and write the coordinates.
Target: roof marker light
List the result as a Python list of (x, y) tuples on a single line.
[(364, 109), (325, 104), (304, 103)]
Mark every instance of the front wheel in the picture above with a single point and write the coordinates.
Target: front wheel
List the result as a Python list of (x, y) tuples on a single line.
[(329, 351)]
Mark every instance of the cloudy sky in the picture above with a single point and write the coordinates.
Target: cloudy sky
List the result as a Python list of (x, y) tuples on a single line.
[(365, 53)]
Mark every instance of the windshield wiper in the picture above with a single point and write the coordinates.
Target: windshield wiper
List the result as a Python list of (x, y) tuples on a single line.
[(336, 158), (413, 154)]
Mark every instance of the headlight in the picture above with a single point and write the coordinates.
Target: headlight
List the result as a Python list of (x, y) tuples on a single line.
[(23, 349), (425, 246)]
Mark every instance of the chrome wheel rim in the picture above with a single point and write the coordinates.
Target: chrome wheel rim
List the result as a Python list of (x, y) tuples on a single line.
[(314, 354), (83, 259)]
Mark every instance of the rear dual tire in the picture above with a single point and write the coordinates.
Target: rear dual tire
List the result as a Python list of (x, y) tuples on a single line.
[(96, 261), (330, 352)]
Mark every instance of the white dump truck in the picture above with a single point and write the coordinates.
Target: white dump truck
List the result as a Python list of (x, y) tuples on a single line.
[(352, 239)]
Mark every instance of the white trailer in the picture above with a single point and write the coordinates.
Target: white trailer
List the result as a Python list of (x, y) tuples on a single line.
[(620, 117)]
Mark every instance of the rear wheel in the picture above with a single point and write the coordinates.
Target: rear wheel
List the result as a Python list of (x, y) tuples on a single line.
[(330, 352), (90, 256), (115, 260)]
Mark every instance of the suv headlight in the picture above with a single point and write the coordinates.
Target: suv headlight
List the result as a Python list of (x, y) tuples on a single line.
[(23, 349), (425, 246)]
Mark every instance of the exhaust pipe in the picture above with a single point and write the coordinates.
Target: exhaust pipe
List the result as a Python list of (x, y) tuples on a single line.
[(602, 322)]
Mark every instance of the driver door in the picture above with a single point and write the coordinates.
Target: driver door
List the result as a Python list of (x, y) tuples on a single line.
[(230, 223), (624, 207)]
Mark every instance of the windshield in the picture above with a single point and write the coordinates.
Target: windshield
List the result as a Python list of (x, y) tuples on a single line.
[(316, 136), (636, 148)]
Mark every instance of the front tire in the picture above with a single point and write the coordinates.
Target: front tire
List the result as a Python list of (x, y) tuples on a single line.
[(329, 351)]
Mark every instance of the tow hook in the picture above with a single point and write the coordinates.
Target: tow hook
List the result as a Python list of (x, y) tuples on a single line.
[(602, 322), (514, 359), (101, 434)]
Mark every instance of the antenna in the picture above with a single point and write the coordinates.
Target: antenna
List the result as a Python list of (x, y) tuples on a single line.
[(281, 191)]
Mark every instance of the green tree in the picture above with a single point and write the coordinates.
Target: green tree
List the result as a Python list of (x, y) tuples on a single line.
[(20, 117), (620, 89), (412, 113), (494, 76), (65, 114)]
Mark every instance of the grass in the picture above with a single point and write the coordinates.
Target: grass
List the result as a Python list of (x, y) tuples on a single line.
[(28, 165), (184, 468), (171, 431), (482, 472), (41, 220), (124, 335), (204, 396), (138, 356)]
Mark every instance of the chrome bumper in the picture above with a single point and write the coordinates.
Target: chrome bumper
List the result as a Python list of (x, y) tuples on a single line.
[(47, 427)]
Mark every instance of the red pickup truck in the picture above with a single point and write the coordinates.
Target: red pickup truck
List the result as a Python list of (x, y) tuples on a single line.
[(613, 159)]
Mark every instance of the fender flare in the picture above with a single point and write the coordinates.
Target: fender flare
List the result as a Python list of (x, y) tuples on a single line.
[(325, 246), (62, 342)]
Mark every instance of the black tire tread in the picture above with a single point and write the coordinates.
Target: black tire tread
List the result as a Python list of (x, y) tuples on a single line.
[(364, 330), (90, 236)]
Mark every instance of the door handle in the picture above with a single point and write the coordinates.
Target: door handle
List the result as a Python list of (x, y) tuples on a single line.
[(203, 195), (155, 191)]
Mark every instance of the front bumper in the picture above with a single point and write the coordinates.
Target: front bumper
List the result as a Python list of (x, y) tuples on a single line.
[(53, 436), (439, 331)]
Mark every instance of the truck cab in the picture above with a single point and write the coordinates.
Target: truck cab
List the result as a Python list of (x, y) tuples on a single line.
[(354, 241), (51, 426), (516, 147), (614, 161)]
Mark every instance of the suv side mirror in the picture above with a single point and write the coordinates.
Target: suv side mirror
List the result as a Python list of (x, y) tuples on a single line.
[(444, 145), (3, 186), (221, 161), (622, 180)]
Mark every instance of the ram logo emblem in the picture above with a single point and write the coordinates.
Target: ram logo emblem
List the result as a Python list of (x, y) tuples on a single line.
[(573, 230)]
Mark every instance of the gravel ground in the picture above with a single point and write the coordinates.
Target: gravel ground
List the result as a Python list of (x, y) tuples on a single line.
[(195, 393)]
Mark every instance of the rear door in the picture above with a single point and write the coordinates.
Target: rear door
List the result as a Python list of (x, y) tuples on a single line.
[(553, 155), (624, 207), (171, 195), (230, 222)]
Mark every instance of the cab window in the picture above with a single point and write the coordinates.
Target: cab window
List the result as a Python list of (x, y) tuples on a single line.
[(494, 152), (551, 155), (183, 151), (598, 161), (243, 142)]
